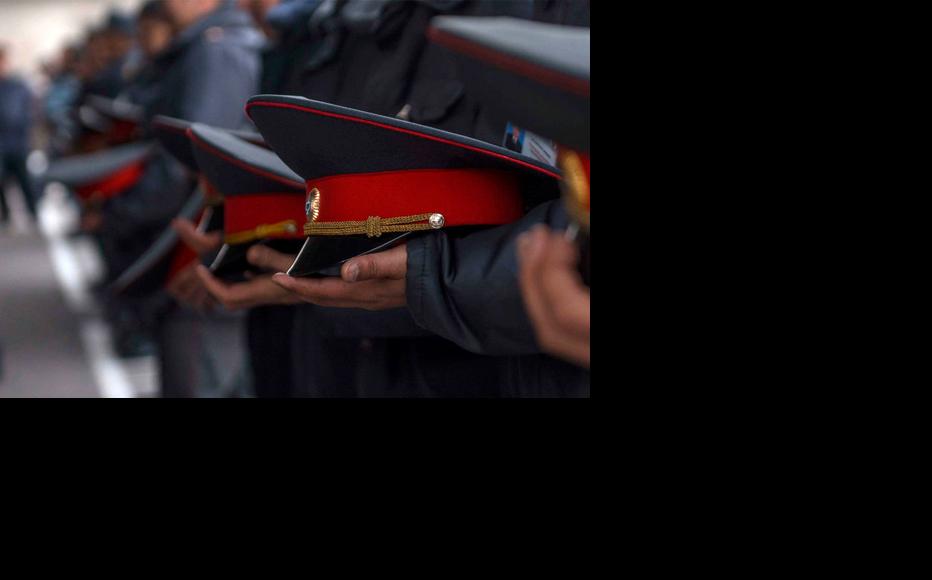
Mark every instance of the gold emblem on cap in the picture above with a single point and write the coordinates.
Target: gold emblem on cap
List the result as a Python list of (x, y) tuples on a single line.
[(312, 205), (575, 188)]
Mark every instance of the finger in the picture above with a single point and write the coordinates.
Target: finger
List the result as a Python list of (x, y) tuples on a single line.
[(256, 292), (551, 335), (189, 291), (261, 291), (569, 348), (213, 285), (391, 264), (561, 287), (530, 250), (268, 259), (529, 241), (183, 284), (198, 241), (184, 228), (211, 241), (332, 292)]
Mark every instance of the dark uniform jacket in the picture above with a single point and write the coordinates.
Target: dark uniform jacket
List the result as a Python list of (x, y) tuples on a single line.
[(374, 56), (465, 288)]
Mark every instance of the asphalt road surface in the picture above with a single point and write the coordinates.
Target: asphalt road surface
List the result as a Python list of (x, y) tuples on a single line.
[(53, 342)]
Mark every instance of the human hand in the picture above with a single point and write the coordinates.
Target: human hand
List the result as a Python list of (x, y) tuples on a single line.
[(371, 282), (259, 291), (555, 297), (188, 289), (200, 242)]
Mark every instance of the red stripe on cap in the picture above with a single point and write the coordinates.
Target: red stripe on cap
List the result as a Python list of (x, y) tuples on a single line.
[(244, 213), (511, 63), (400, 130), (463, 196), (241, 164), (115, 183)]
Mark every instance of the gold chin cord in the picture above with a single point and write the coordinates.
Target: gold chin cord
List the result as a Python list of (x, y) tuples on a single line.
[(263, 231), (373, 226)]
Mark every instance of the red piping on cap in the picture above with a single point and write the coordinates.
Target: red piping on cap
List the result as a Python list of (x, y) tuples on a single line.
[(463, 196), (510, 63), (400, 130), (242, 164)]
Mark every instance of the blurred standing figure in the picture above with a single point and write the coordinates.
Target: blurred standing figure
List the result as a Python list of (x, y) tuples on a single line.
[(154, 28), (64, 89), (155, 32), (15, 126), (114, 43)]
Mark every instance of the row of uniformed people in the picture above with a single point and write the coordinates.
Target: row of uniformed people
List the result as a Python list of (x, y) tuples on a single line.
[(432, 306)]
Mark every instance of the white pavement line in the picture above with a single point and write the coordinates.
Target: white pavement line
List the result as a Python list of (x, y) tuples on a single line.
[(68, 271), (109, 373), (108, 370)]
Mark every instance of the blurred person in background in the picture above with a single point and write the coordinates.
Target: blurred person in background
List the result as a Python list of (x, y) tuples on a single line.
[(259, 9), (154, 28), (112, 49), (60, 98), (16, 116), (92, 58), (155, 31)]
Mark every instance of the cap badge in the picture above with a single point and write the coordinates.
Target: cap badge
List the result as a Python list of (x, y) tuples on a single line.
[(312, 205)]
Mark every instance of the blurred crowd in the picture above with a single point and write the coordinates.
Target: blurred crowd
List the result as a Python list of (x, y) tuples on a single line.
[(500, 311)]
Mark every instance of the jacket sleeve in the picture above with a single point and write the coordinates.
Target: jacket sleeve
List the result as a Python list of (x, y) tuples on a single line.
[(219, 79), (466, 289)]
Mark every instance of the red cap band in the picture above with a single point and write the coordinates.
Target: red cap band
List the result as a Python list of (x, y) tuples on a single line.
[(242, 213), (463, 196)]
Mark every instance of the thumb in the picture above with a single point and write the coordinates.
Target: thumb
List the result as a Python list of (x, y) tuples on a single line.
[(392, 264), (560, 252)]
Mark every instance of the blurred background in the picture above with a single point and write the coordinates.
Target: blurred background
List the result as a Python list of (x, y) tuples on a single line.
[(36, 30), (52, 342)]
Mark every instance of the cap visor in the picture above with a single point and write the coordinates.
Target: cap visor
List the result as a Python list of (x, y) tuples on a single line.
[(231, 263), (324, 255), (80, 170)]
